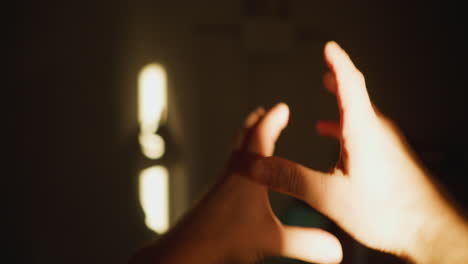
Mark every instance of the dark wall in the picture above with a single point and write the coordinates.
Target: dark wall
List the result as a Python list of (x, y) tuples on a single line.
[(73, 191)]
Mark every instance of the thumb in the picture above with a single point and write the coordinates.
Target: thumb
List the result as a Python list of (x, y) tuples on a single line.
[(310, 244), (263, 136)]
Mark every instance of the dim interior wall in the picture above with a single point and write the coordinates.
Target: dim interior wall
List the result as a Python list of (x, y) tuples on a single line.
[(79, 154)]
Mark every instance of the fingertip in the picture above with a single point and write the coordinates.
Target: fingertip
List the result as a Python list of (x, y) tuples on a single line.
[(335, 55), (311, 244), (281, 105), (331, 248), (281, 113), (328, 54), (335, 251), (331, 49), (331, 45), (268, 130)]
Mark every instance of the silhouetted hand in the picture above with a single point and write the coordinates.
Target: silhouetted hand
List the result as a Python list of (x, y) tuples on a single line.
[(234, 222), (378, 191)]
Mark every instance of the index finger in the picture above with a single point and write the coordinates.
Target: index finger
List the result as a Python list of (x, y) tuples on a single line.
[(351, 90)]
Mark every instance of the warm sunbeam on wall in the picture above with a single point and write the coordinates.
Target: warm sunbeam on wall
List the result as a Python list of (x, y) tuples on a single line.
[(152, 108), (152, 96), (154, 198), (154, 181)]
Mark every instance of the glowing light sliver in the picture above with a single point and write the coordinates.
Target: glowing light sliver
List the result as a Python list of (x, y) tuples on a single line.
[(154, 197), (152, 145), (152, 98), (153, 181)]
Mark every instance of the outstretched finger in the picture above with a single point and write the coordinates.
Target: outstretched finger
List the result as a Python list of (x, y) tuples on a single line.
[(323, 191), (351, 89)]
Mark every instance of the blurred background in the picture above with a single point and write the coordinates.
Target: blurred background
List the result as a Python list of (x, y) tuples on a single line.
[(78, 191)]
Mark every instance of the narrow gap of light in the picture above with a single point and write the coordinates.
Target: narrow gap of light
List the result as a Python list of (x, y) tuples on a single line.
[(152, 97), (154, 197)]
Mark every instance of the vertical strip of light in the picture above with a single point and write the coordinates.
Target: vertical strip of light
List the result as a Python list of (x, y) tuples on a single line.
[(154, 198), (154, 181)]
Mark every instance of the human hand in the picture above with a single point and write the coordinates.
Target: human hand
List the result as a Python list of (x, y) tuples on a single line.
[(378, 191), (234, 222)]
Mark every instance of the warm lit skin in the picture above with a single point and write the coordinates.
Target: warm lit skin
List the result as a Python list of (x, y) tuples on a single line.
[(234, 222), (378, 191)]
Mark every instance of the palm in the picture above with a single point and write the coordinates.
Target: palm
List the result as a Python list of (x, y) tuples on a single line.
[(374, 182)]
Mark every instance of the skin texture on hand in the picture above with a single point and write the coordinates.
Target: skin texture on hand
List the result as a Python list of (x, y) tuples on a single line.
[(234, 222), (378, 191)]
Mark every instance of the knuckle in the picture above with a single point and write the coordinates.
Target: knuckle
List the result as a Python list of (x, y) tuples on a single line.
[(264, 171), (279, 175), (276, 174), (293, 182), (271, 176)]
